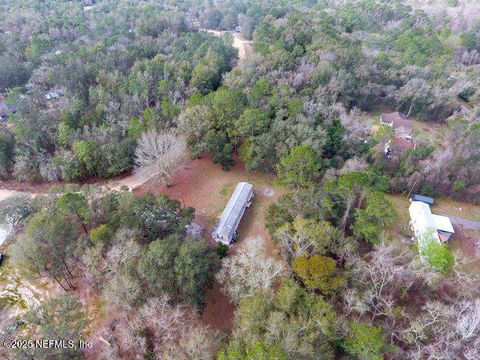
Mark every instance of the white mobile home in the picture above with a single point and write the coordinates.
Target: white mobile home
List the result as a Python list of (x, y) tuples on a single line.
[(427, 226), (226, 230), (422, 223)]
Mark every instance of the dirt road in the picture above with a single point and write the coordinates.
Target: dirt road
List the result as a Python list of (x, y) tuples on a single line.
[(240, 43), (131, 181), (134, 180), (466, 224)]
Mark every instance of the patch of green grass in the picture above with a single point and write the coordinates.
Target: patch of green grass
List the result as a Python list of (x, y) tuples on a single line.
[(401, 204), (434, 132), (224, 191), (457, 208)]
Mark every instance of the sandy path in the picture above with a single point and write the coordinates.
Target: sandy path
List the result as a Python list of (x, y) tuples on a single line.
[(5, 194), (240, 43), (131, 181), (244, 47)]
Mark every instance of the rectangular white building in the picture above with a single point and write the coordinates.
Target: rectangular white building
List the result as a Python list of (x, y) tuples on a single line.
[(226, 230), (426, 225)]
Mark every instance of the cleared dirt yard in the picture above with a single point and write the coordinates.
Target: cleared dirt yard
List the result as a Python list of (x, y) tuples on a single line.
[(207, 188)]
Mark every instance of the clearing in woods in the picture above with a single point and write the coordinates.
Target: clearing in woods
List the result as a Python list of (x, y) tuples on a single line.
[(207, 188), (240, 43), (465, 219)]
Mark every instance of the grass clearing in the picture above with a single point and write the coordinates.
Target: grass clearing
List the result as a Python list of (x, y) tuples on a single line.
[(456, 208), (400, 203), (432, 131), (465, 243)]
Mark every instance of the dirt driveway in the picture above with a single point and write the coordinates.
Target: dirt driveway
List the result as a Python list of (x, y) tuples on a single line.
[(245, 49), (13, 188), (466, 224)]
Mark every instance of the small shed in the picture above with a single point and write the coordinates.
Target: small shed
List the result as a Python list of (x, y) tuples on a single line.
[(226, 229), (425, 199)]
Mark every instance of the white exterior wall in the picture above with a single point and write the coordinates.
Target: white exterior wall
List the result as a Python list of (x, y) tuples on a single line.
[(422, 223)]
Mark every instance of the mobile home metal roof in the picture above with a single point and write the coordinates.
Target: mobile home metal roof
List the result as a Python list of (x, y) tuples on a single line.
[(443, 223), (422, 223), (425, 199), (234, 210)]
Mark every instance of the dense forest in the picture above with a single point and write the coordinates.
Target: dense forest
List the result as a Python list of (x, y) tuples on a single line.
[(138, 252), (97, 89), (88, 81)]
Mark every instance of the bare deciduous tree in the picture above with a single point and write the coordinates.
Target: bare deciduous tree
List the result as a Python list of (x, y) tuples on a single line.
[(357, 123), (197, 342), (171, 328), (354, 164), (124, 243), (159, 153), (381, 281), (249, 270), (445, 331)]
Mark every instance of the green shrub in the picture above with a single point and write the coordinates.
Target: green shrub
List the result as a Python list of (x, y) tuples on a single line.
[(101, 234), (222, 250), (365, 342)]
